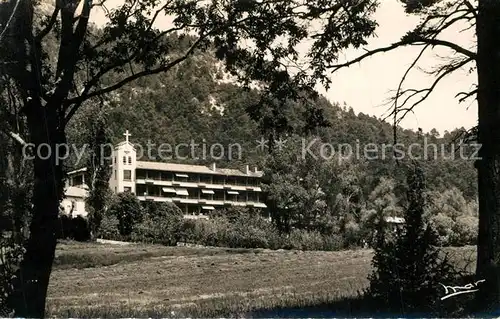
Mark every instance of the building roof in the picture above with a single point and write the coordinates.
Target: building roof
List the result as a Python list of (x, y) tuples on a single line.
[(230, 171), (124, 143), (160, 166), (395, 220), (84, 169), (73, 191), (200, 169)]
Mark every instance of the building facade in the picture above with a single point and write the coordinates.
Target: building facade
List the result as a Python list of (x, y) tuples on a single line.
[(195, 189), (74, 202)]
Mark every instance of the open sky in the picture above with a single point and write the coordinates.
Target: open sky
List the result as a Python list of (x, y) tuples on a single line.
[(367, 86)]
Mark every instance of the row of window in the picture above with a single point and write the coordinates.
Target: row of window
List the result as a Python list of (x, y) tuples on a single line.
[(197, 178), (76, 180), (208, 194), (220, 180), (127, 175), (126, 159)]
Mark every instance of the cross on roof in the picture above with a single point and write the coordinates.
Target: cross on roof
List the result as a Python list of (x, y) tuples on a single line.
[(127, 134)]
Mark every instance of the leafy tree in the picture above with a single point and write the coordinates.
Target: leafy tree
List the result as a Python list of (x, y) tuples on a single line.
[(127, 208), (293, 194), (452, 216), (161, 210), (382, 203)]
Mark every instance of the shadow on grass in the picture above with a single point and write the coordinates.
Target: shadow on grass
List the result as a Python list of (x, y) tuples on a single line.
[(364, 307), (353, 307)]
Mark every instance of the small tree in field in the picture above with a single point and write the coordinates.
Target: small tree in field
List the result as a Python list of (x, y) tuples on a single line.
[(128, 210), (408, 269)]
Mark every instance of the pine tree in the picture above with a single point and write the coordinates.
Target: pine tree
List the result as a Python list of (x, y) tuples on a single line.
[(98, 170), (408, 269)]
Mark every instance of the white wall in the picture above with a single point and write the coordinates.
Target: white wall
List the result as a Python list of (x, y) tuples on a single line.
[(117, 182), (79, 206)]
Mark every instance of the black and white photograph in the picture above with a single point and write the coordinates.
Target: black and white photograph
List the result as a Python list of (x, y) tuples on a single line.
[(249, 158)]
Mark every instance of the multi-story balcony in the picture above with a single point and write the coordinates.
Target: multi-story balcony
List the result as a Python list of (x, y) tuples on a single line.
[(207, 202), (198, 185), (196, 189)]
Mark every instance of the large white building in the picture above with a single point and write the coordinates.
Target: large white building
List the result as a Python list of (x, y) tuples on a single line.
[(195, 189)]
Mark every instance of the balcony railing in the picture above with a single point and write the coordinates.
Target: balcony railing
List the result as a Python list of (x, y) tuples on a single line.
[(211, 202)]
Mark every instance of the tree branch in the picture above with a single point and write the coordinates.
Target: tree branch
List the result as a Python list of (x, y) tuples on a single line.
[(454, 46), (70, 46), (429, 90), (465, 95), (369, 53), (77, 101), (16, 137), (50, 25), (471, 8), (400, 85)]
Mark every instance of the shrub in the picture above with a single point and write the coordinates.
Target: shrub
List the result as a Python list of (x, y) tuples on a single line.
[(109, 227), (81, 229), (11, 255), (443, 226), (161, 225), (64, 230), (352, 234), (464, 231), (234, 228), (76, 228), (241, 228), (127, 208), (304, 240), (161, 210)]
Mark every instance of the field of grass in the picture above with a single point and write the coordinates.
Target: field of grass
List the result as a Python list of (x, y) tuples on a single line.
[(102, 280)]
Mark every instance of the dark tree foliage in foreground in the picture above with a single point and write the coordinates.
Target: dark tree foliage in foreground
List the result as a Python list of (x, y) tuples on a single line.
[(49, 89), (408, 269), (258, 41), (437, 19), (98, 170)]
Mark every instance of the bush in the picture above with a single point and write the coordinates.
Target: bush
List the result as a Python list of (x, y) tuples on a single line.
[(73, 228), (242, 228), (64, 227), (109, 227), (311, 240), (161, 225), (11, 256), (443, 226), (464, 231), (127, 208), (81, 229)]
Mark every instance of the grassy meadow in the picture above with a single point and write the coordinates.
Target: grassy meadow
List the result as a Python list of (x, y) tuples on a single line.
[(105, 280)]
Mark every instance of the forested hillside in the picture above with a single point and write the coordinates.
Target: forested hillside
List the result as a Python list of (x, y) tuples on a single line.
[(199, 104)]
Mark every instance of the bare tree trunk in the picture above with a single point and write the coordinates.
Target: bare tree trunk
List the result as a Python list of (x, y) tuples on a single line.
[(33, 277), (488, 70)]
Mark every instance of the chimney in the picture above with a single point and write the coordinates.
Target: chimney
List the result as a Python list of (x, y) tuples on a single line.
[(255, 169), (247, 170), (213, 167)]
